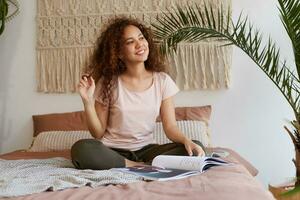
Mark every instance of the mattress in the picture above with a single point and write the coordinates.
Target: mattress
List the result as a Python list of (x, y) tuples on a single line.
[(226, 183)]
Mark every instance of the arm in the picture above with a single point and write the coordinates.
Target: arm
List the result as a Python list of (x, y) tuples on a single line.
[(167, 112), (96, 113), (171, 129), (96, 116)]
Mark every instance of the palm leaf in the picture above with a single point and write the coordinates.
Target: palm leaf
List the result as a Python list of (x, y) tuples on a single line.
[(6, 16), (290, 17), (3, 14), (194, 24)]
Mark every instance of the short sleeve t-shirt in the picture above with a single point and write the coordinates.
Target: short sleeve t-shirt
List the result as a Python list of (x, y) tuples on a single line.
[(132, 117)]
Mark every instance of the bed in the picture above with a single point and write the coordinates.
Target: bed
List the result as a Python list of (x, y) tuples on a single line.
[(55, 133)]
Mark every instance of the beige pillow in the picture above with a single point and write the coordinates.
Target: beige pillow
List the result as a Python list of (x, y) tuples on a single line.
[(57, 140), (195, 130)]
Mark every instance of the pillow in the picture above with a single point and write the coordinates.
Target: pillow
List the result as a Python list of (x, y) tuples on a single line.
[(196, 130), (198, 113), (59, 131), (70, 121), (74, 121), (57, 140), (63, 140)]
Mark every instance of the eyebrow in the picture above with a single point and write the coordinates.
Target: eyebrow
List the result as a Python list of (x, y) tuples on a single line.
[(140, 34)]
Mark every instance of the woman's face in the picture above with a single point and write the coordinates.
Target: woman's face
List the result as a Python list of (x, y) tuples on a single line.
[(134, 46)]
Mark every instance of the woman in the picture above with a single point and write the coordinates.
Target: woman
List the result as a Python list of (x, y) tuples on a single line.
[(131, 90)]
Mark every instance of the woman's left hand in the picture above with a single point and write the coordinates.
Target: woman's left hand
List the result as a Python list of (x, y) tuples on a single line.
[(193, 148)]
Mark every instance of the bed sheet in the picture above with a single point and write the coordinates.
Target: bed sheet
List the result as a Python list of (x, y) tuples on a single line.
[(226, 183)]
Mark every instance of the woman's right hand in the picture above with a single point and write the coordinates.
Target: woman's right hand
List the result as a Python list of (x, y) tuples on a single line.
[(86, 89)]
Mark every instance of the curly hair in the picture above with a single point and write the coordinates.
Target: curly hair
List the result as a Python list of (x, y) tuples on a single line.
[(105, 64)]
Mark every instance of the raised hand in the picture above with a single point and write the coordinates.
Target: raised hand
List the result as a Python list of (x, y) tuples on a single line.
[(86, 89)]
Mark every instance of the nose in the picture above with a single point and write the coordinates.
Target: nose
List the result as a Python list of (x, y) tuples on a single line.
[(138, 44)]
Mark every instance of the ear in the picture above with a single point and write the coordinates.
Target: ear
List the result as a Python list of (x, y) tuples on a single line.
[(120, 56)]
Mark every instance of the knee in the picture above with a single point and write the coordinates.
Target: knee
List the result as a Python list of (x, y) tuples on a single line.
[(84, 145), (82, 149)]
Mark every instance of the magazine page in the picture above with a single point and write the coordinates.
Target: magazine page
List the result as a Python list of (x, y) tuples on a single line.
[(156, 173), (179, 162), (187, 162)]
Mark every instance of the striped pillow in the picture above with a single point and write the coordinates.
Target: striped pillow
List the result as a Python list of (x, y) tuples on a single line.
[(62, 140), (57, 140), (195, 130)]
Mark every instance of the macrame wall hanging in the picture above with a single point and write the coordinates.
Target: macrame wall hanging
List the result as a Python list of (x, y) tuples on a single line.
[(67, 31)]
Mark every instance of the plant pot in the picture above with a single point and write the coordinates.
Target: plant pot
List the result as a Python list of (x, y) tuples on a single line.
[(284, 186)]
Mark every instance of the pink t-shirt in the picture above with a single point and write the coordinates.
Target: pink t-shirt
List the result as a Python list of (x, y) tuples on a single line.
[(132, 117)]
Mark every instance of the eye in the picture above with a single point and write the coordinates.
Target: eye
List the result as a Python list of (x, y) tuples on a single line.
[(129, 42), (141, 38)]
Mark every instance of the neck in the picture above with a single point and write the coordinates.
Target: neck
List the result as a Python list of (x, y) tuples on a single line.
[(136, 70)]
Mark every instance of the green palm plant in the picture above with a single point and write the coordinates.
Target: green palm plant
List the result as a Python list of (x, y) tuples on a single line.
[(194, 24), (4, 12)]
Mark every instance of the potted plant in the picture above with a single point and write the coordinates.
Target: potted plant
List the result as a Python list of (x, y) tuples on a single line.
[(194, 24), (6, 13)]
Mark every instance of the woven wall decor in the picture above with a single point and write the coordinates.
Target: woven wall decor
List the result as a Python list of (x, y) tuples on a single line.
[(67, 31)]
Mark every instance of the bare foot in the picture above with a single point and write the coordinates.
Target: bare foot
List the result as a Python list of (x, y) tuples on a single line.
[(129, 163)]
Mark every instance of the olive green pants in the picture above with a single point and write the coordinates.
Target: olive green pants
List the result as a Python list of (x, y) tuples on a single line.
[(93, 154)]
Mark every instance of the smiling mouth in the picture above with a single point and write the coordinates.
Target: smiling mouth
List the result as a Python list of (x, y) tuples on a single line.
[(140, 52)]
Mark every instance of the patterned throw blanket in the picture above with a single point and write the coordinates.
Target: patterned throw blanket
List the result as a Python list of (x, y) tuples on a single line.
[(21, 177)]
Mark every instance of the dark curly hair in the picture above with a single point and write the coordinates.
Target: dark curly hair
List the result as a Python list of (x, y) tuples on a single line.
[(105, 64)]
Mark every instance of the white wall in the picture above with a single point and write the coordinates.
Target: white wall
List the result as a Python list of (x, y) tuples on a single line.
[(248, 117)]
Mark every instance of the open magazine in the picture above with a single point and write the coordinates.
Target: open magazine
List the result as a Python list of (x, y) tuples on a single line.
[(165, 167)]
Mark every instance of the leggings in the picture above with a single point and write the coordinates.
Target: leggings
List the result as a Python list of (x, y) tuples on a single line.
[(93, 154)]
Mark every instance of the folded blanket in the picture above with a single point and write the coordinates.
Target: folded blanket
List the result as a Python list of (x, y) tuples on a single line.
[(21, 177)]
